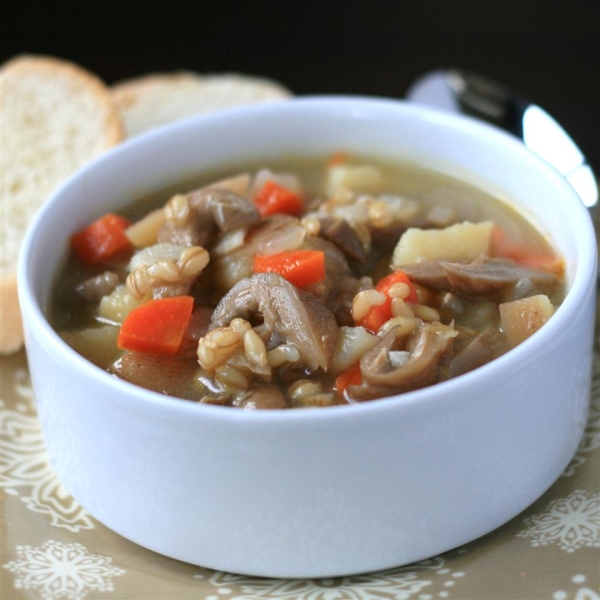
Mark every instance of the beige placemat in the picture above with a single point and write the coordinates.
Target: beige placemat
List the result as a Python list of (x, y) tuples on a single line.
[(52, 548)]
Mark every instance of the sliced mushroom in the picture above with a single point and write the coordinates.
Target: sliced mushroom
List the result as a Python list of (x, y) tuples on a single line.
[(345, 237), (95, 288), (486, 346), (494, 278), (186, 226), (229, 210), (499, 279), (422, 358), (191, 219), (430, 274), (295, 316)]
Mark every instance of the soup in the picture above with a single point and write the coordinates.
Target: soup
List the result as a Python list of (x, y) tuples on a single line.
[(306, 282)]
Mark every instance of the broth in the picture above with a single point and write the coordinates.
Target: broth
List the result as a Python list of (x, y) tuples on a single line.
[(305, 282)]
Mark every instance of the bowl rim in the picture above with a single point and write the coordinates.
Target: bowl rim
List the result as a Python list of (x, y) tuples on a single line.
[(582, 284)]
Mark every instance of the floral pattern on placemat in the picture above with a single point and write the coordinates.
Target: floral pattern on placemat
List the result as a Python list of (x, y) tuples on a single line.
[(577, 589), (56, 570), (571, 522), (24, 470)]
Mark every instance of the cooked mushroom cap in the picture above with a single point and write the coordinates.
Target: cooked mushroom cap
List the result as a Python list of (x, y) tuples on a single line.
[(297, 316), (208, 208), (229, 210), (425, 349)]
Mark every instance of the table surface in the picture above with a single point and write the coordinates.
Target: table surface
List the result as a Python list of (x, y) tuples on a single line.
[(52, 548)]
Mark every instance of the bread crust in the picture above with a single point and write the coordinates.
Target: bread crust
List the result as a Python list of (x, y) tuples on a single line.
[(29, 77), (11, 326)]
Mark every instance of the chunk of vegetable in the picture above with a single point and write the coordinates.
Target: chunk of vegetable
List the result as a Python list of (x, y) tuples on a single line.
[(273, 198), (117, 305), (505, 247), (337, 158), (351, 344), (299, 267), (157, 326), (238, 184), (351, 376), (356, 178), (98, 344), (377, 315), (462, 242), (102, 239), (157, 252), (144, 232), (521, 318)]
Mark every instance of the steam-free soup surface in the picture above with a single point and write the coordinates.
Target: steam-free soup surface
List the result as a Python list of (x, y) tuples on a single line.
[(305, 282)]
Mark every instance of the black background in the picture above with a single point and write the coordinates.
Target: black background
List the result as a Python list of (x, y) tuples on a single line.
[(549, 50)]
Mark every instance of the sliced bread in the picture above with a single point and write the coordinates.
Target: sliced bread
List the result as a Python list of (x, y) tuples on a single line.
[(54, 117), (160, 98)]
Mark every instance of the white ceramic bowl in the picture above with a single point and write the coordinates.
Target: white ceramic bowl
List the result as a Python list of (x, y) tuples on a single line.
[(331, 491)]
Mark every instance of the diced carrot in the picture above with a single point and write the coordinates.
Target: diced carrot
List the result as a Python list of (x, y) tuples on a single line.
[(273, 198), (351, 376), (504, 247), (337, 158), (384, 284), (543, 262), (378, 315), (102, 239), (157, 326), (300, 267)]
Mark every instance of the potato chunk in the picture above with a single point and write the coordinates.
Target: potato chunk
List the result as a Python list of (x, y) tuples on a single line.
[(360, 178), (521, 318), (144, 232), (97, 344), (116, 306), (462, 242)]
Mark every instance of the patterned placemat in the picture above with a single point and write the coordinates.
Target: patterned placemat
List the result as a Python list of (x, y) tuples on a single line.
[(52, 548)]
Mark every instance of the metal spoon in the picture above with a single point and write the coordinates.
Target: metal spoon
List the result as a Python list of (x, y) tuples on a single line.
[(464, 92)]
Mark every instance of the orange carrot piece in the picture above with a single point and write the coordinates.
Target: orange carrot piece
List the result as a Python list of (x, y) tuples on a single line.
[(378, 315), (388, 281), (504, 247), (102, 239), (300, 267), (273, 198), (351, 376), (337, 158), (157, 326)]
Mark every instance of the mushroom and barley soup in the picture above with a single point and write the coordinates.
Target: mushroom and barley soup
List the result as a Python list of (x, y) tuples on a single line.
[(339, 280)]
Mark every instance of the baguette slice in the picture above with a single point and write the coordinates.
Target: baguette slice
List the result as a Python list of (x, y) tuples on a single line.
[(54, 117), (160, 98)]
